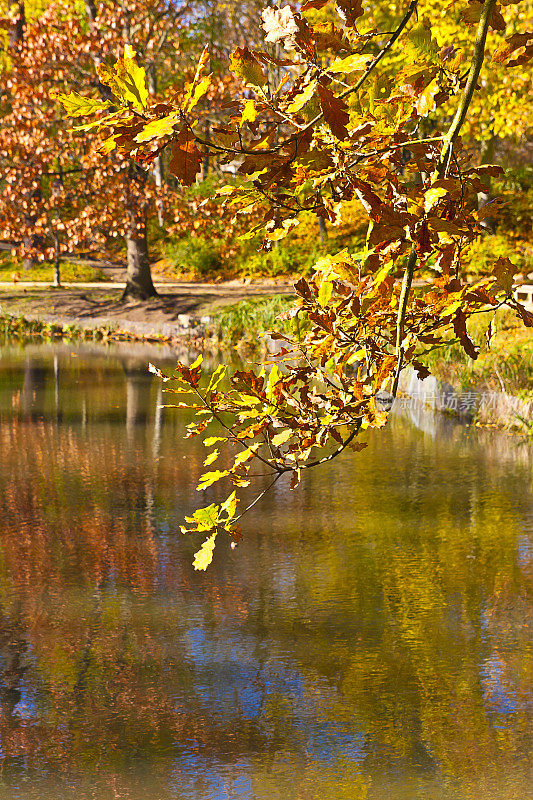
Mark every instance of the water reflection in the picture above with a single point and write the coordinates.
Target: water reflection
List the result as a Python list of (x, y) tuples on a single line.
[(371, 637)]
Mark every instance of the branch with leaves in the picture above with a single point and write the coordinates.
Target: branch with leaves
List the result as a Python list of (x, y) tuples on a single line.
[(302, 144)]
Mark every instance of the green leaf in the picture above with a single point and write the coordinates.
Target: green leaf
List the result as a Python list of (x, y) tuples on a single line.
[(204, 556), (206, 518), (244, 65), (76, 105)]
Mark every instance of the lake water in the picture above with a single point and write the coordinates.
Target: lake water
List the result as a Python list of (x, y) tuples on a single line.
[(370, 639)]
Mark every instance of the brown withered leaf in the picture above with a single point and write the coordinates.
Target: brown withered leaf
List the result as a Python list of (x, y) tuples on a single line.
[(421, 370), (317, 4), (497, 22), (186, 158), (335, 112), (328, 37), (303, 289), (513, 43), (459, 326), (358, 446), (350, 10), (526, 316), (423, 240), (295, 479), (472, 12)]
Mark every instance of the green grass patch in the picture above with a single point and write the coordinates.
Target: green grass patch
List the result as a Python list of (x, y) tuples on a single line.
[(504, 364), (244, 324), (70, 272)]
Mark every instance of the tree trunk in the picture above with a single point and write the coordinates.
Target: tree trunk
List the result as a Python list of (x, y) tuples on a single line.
[(16, 31), (139, 284)]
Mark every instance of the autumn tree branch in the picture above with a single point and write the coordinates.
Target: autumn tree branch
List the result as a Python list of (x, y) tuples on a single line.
[(449, 140)]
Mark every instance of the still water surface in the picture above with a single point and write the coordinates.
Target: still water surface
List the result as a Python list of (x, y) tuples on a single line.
[(371, 638)]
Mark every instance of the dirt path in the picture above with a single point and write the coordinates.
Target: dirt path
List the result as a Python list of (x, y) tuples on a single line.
[(79, 302)]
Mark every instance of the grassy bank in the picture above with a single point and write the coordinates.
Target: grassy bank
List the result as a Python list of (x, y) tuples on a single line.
[(12, 271), (505, 362)]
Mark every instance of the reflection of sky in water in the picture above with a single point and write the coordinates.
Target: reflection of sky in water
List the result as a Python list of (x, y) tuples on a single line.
[(498, 694), (232, 681), (26, 707), (525, 552), (197, 777)]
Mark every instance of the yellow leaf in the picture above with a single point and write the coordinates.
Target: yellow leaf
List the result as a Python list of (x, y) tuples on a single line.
[(211, 458), (204, 556), (214, 439), (324, 293), (273, 379), (426, 102), (281, 438), (249, 112), (230, 505), (157, 128), (432, 197), (76, 105), (200, 90), (246, 455), (210, 478), (302, 98), (350, 64), (126, 79)]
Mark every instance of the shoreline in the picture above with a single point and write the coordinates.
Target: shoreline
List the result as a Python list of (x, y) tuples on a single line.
[(191, 334)]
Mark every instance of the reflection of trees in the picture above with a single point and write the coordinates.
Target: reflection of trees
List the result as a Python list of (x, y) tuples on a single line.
[(378, 626), (139, 405), (34, 388)]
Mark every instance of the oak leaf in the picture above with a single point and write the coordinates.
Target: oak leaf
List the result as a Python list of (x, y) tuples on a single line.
[(204, 556), (350, 11), (280, 25), (335, 112), (459, 326), (504, 271), (186, 158), (244, 65)]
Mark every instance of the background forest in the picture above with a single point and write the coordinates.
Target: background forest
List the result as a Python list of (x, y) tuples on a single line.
[(59, 199)]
